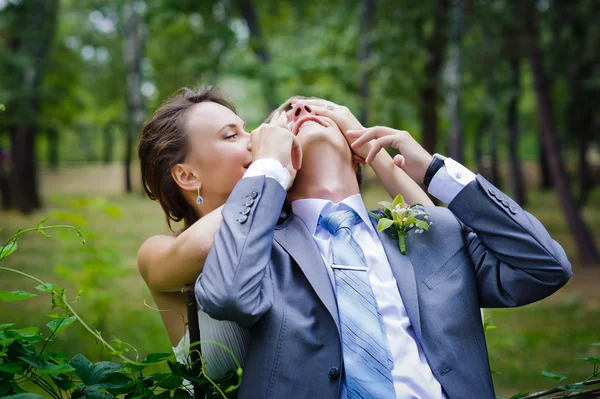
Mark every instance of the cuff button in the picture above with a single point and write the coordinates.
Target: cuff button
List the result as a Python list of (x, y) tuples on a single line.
[(245, 211), (249, 202), (242, 218), (513, 210), (254, 194)]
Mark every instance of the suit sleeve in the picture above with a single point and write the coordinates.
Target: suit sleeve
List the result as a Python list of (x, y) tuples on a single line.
[(235, 283), (516, 261)]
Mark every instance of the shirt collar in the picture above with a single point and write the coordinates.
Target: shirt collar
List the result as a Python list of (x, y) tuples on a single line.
[(309, 210)]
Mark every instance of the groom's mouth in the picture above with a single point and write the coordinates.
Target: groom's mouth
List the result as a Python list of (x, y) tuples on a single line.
[(307, 120)]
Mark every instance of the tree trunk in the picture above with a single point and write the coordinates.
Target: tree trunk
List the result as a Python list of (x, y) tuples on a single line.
[(37, 22), (109, 143), (364, 66), (545, 177), (436, 46), (52, 135), (512, 121), (259, 48), (581, 234), (496, 179), (453, 74), (482, 129), (132, 49)]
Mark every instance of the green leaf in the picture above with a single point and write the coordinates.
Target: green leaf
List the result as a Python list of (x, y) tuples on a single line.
[(58, 325), (553, 376), (13, 368), (47, 368), (15, 296), (54, 369), (387, 205), (46, 287), (593, 360), (383, 224), (519, 395), (63, 383), (2, 107), (23, 396), (99, 375), (4, 326), (399, 200), (8, 249), (5, 341), (156, 357), (422, 224)]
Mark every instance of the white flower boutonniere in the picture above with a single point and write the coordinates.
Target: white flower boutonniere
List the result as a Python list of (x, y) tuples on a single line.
[(402, 218)]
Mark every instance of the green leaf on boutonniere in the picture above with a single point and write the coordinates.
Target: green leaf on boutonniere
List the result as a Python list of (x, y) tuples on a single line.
[(387, 205), (383, 224)]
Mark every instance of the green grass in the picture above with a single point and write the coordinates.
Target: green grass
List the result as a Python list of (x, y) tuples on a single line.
[(549, 335)]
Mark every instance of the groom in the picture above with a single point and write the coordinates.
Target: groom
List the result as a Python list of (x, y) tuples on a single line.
[(333, 308)]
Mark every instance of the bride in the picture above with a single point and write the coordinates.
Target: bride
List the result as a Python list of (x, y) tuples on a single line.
[(193, 150)]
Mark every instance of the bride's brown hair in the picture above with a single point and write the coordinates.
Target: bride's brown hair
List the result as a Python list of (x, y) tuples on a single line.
[(164, 144)]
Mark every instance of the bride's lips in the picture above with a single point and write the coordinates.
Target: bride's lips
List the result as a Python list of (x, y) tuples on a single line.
[(307, 118)]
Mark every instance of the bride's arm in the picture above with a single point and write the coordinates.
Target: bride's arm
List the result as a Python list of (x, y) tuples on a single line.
[(167, 263), (396, 181)]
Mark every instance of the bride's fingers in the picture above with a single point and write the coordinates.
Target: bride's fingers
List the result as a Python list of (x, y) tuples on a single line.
[(296, 154), (319, 102), (377, 145), (364, 135), (400, 161)]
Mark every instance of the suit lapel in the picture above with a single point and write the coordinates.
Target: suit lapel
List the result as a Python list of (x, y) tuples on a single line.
[(404, 273), (297, 241)]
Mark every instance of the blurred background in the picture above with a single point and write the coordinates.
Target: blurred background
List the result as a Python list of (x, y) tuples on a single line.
[(511, 88)]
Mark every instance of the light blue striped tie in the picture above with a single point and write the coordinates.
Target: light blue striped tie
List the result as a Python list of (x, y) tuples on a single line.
[(367, 359)]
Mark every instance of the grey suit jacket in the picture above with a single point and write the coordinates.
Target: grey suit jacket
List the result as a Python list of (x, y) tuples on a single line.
[(483, 251)]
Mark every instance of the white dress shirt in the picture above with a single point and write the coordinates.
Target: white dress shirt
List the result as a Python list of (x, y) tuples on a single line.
[(411, 374)]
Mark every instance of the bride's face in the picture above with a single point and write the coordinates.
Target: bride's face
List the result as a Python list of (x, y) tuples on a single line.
[(220, 148)]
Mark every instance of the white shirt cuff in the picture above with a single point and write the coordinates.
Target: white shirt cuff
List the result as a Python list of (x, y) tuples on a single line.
[(450, 180), (269, 167)]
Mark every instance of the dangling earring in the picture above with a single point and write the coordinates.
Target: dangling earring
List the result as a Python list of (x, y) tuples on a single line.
[(199, 199)]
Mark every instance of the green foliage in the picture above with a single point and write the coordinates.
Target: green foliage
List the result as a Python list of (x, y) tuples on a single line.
[(26, 359)]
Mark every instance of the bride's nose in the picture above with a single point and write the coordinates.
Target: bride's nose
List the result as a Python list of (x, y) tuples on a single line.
[(300, 109)]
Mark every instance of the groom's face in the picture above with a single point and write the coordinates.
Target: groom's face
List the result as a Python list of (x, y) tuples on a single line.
[(312, 131)]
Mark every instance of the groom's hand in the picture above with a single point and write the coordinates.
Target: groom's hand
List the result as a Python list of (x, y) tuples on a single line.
[(276, 142), (413, 158)]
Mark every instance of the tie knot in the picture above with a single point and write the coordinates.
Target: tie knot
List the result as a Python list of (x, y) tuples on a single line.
[(337, 218)]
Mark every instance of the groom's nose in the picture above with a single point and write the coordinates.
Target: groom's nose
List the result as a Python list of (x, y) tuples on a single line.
[(299, 109)]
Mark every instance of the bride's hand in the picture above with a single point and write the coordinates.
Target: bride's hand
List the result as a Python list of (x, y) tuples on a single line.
[(280, 120), (413, 158), (345, 120)]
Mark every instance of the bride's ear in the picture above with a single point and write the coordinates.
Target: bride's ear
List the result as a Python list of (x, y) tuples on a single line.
[(185, 177)]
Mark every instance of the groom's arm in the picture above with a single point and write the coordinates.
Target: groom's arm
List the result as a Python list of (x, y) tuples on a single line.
[(516, 261), (235, 283)]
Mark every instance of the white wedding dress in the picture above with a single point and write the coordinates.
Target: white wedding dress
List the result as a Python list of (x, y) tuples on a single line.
[(218, 361)]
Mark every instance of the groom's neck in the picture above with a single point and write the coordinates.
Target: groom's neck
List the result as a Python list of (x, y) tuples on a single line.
[(324, 176)]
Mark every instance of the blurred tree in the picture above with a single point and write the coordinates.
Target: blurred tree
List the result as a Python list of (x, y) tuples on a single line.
[(30, 37), (587, 248), (132, 53), (364, 62), (453, 81)]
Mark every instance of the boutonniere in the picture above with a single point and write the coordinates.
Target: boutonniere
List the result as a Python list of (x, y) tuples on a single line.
[(402, 218)]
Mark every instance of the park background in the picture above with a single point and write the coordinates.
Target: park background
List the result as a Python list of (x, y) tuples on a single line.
[(510, 88)]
